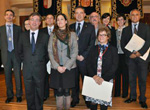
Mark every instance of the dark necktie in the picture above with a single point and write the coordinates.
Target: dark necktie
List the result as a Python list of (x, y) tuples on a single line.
[(33, 42), (10, 47), (78, 29), (135, 30)]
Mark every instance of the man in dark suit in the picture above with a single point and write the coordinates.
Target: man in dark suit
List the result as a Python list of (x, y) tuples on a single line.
[(9, 36), (33, 52), (48, 29), (136, 65), (86, 39)]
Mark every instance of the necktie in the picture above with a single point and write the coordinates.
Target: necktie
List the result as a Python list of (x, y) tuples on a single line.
[(78, 29), (50, 31), (10, 47), (135, 30), (33, 42)]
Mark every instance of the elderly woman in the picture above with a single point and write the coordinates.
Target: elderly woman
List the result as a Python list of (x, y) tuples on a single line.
[(102, 63), (63, 50)]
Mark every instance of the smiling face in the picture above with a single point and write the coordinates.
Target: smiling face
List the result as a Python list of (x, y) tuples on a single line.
[(79, 14), (61, 22), (9, 17), (120, 21), (102, 37), (27, 25), (34, 22), (94, 18), (135, 16), (106, 21), (49, 20)]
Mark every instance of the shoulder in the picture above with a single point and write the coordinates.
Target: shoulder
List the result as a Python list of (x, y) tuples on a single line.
[(43, 29), (2, 27), (43, 33), (112, 48), (16, 26), (144, 25)]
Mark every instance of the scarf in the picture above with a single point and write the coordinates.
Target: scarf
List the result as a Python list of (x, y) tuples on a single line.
[(64, 37)]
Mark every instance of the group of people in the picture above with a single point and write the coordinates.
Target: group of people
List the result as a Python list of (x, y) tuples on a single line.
[(92, 48)]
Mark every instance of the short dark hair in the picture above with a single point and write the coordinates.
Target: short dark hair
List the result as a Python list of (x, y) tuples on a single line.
[(51, 15), (121, 15), (80, 8), (35, 14), (10, 11), (105, 15)]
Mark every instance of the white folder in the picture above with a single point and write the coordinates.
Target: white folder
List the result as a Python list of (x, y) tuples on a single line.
[(92, 89)]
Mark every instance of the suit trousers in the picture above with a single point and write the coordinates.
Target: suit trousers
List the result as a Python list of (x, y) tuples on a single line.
[(34, 89), (46, 86), (81, 69), (137, 67), (13, 63), (122, 71)]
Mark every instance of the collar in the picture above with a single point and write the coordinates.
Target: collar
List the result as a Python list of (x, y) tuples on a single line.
[(135, 23), (36, 31), (9, 24), (52, 27), (82, 22)]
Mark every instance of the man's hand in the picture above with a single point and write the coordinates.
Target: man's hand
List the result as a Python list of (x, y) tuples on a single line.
[(137, 54), (132, 56)]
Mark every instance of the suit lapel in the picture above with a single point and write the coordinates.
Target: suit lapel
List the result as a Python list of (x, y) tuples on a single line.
[(38, 40), (14, 33), (139, 28), (83, 28), (5, 34)]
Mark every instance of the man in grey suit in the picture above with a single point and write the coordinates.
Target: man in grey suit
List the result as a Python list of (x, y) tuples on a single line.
[(33, 51), (9, 36), (136, 65)]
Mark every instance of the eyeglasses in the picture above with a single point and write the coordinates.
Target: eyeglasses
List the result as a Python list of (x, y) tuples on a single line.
[(93, 16), (102, 35)]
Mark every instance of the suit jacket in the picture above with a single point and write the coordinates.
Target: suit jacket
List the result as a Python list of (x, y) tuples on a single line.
[(113, 41), (69, 63), (34, 63), (45, 30), (109, 62), (4, 42), (86, 39), (143, 32)]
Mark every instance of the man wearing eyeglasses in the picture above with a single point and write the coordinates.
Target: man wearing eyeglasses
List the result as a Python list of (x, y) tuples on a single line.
[(94, 19), (33, 53)]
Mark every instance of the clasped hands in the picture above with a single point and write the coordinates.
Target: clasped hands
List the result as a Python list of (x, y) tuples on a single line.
[(80, 58), (135, 54), (98, 79), (61, 69)]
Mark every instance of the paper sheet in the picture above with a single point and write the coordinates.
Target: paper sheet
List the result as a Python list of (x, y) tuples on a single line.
[(92, 89)]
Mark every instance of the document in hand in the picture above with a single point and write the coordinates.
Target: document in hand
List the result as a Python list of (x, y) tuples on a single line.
[(49, 67), (92, 89), (135, 44)]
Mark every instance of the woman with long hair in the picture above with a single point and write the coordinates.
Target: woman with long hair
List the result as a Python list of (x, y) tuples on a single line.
[(63, 50)]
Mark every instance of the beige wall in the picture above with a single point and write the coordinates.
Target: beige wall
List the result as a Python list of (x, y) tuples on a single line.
[(4, 4)]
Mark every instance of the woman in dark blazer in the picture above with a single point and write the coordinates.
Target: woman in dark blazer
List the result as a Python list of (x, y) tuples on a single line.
[(106, 19), (102, 63), (63, 50)]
